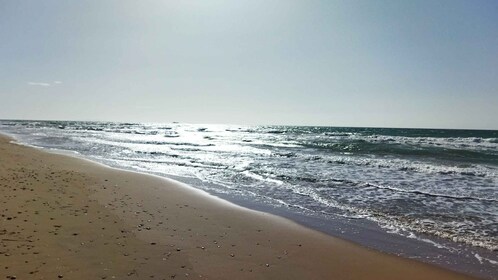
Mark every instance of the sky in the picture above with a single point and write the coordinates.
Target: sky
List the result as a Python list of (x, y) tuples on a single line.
[(331, 63)]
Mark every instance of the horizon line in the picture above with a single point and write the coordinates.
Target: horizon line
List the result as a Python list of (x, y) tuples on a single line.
[(180, 122)]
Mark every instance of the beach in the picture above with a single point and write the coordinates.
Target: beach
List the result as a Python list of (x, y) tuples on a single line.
[(65, 217)]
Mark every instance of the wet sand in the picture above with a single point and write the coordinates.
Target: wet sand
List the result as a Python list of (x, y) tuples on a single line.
[(67, 218)]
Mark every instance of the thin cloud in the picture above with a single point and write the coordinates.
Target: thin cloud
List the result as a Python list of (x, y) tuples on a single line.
[(38, 84), (44, 84)]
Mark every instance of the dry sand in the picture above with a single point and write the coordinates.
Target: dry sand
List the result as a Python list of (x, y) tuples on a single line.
[(64, 217)]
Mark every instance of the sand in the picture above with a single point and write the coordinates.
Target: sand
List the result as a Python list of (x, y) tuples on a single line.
[(67, 218)]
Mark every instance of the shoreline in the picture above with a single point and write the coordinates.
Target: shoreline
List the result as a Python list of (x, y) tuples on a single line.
[(164, 228)]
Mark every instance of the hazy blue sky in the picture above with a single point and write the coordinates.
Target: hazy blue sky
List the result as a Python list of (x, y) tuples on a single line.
[(340, 63)]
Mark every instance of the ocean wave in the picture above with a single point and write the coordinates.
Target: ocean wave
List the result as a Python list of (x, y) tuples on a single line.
[(364, 147), (261, 178), (182, 163), (419, 192), (283, 144), (186, 149), (155, 153), (345, 134), (492, 140), (415, 166), (177, 143), (459, 234), (413, 226)]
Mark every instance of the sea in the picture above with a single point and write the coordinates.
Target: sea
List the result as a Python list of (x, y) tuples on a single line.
[(426, 194)]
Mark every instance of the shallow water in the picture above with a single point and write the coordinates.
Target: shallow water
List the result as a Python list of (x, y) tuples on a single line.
[(438, 186)]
